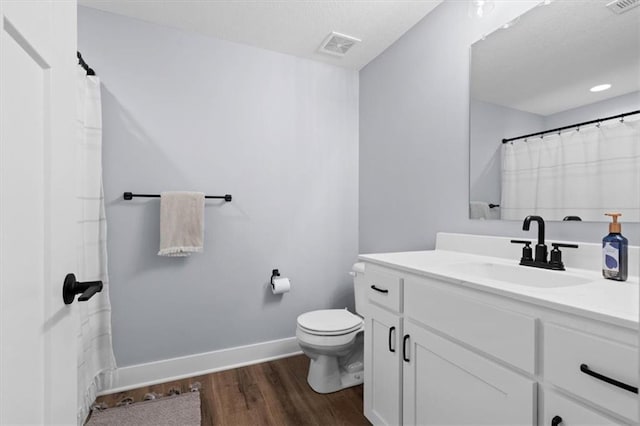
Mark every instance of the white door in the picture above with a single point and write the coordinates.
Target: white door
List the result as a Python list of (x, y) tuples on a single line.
[(382, 367), (446, 384), (38, 358)]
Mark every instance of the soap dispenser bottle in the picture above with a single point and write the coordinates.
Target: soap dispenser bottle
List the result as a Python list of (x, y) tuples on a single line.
[(614, 251)]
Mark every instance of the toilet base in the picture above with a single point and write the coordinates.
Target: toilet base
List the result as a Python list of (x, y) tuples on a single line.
[(327, 376)]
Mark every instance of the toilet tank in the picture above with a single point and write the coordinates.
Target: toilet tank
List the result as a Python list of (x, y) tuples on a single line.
[(359, 287)]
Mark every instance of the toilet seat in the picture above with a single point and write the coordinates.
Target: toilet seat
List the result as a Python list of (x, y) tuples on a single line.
[(329, 322)]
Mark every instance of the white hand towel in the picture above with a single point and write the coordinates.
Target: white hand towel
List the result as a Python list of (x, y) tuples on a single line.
[(181, 223), (479, 210)]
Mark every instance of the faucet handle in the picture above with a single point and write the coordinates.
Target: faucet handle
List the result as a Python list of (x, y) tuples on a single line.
[(527, 253), (556, 245), (556, 255)]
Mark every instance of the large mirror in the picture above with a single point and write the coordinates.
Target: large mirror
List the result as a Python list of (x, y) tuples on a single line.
[(538, 73)]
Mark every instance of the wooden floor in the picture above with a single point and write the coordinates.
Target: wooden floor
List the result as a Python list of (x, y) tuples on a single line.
[(271, 393)]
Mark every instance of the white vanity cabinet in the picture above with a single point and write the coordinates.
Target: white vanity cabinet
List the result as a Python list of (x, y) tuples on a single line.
[(382, 351), (598, 369), (413, 375), (382, 373), (441, 353), (441, 375), (561, 411), (447, 384)]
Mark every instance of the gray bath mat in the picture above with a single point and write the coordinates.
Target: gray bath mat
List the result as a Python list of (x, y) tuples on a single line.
[(178, 410)]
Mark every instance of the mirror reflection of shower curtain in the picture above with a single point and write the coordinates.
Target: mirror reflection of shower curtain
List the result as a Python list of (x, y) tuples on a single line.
[(96, 362), (581, 173)]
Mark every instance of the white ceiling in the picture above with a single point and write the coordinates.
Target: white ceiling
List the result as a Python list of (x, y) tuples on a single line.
[(549, 59), (296, 27)]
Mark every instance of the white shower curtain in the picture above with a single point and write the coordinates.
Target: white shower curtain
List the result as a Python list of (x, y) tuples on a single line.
[(584, 173), (96, 362)]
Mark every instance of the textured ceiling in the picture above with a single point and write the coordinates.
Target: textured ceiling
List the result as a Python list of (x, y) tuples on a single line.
[(554, 53), (296, 27)]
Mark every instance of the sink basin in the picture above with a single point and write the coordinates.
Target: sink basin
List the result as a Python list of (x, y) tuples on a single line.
[(519, 275)]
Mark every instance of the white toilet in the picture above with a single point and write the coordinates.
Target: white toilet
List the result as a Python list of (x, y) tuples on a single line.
[(333, 339)]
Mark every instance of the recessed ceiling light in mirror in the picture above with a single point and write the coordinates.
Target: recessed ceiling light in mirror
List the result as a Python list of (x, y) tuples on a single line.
[(480, 8), (600, 87)]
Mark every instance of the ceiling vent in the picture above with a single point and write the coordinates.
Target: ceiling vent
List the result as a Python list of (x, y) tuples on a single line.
[(621, 6), (338, 44)]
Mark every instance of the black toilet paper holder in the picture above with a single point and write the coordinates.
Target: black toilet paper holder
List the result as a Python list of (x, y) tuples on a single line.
[(274, 273)]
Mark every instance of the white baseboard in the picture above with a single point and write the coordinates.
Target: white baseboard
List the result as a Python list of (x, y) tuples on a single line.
[(167, 370)]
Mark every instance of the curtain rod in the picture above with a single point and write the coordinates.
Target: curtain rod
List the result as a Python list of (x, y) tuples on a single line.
[(84, 65), (598, 120)]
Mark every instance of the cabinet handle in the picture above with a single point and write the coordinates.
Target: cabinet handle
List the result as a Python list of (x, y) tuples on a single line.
[(391, 330), (404, 348), (381, 290), (585, 369), (556, 420)]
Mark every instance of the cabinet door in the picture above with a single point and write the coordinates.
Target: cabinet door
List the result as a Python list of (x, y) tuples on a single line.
[(382, 367), (446, 384)]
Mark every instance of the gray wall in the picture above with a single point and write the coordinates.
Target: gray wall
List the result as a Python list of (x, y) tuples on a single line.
[(489, 124), (608, 107), (414, 155), (185, 112)]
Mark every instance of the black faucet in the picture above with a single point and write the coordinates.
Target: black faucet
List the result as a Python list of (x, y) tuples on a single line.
[(540, 260), (541, 248)]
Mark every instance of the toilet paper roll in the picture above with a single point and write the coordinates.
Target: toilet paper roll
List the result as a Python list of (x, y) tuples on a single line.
[(280, 285)]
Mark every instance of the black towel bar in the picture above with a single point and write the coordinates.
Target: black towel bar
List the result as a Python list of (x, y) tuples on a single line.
[(130, 195)]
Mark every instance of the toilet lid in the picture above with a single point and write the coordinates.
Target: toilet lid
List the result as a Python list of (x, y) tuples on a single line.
[(329, 321)]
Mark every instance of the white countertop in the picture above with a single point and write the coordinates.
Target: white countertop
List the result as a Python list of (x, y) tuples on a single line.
[(600, 299)]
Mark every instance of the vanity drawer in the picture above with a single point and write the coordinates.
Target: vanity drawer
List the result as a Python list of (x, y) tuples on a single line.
[(504, 334), (566, 350), (384, 288), (572, 414)]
